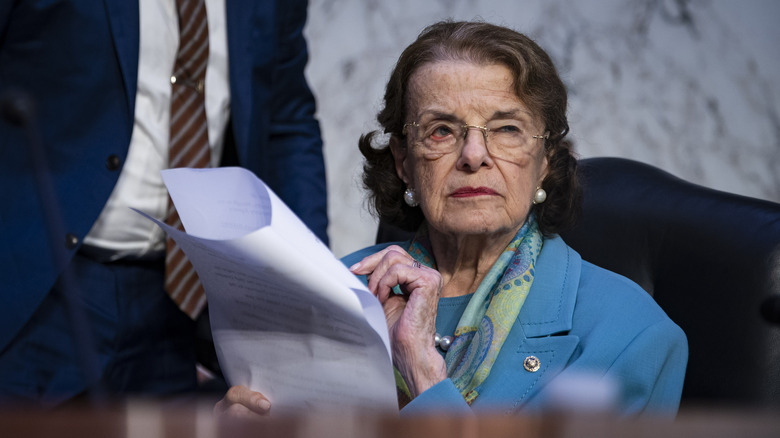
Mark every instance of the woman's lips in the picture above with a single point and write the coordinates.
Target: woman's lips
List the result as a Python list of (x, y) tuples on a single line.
[(466, 192)]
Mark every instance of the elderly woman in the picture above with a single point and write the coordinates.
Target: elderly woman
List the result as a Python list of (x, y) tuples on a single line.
[(486, 305)]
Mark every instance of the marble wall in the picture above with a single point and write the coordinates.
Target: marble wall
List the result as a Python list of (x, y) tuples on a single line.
[(691, 86)]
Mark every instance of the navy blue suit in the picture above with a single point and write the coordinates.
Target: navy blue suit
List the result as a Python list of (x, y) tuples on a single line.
[(78, 60)]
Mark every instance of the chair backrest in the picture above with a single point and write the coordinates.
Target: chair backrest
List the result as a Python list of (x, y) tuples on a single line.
[(710, 259)]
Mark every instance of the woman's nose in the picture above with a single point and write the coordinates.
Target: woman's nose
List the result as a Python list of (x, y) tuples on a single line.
[(474, 153)]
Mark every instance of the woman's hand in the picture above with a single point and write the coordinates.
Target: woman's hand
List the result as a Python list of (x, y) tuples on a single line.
[(242, 402), (411, 317)]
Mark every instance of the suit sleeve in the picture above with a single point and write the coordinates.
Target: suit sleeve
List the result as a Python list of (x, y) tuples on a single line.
[(295, 145), (442, 397), (652, 367)]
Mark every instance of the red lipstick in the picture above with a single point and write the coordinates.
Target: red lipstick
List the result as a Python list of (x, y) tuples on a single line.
[(466, 192)]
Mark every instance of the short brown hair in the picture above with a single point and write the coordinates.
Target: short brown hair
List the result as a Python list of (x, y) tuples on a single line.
[(536, 83)]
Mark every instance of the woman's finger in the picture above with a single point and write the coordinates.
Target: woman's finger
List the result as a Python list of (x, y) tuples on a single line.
[(376, 265), (240, 400), (411, 280), (369, 263)]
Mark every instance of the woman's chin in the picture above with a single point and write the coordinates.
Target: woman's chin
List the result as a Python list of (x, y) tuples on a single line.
[(466, 227)]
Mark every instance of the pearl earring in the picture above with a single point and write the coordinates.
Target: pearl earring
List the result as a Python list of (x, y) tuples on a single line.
[(540, 195), (410, 198)]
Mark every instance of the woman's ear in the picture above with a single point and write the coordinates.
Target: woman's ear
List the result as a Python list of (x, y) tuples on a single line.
[(399, 150)]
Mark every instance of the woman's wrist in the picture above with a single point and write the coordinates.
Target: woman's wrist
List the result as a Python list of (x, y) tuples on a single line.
[(427, 372), (430, 378)]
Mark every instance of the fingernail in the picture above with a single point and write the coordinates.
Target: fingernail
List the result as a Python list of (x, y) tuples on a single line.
[(264, 404), (355, 267)]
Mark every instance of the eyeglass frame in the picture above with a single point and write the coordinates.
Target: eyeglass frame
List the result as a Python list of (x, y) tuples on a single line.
[(466, 128)]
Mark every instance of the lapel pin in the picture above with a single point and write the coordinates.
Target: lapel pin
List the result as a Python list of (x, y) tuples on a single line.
[(532, 364)]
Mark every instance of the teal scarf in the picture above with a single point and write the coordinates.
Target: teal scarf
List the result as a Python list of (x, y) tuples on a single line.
[(491, 312)]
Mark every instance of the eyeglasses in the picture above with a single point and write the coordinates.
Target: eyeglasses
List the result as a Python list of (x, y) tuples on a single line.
[(506, 139)]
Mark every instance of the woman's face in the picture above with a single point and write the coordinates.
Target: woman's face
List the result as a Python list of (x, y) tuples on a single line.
[(469, 190)]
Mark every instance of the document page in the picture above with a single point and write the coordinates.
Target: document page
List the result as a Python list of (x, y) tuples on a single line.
[(287, 317)]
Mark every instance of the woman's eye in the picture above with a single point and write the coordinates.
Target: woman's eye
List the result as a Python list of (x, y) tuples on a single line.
[(509, 129), (440, 132)]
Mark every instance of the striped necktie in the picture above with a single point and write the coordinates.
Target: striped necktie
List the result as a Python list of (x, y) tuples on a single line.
[(189, 142)]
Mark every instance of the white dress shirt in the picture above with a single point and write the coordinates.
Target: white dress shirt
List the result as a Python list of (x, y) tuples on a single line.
[(119, 232)]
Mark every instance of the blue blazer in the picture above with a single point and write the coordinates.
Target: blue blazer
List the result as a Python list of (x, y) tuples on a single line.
[(579, 320), (78, 60)]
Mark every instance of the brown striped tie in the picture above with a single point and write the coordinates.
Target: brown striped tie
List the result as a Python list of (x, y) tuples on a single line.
[(189, 141)]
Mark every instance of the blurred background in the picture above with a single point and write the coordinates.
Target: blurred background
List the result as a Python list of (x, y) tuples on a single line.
[(690, 86)]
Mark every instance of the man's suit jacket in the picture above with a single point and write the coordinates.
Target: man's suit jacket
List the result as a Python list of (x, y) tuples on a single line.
[(78, 61), (579, 320)]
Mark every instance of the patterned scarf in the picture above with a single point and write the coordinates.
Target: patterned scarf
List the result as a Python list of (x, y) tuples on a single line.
[(491, 311)]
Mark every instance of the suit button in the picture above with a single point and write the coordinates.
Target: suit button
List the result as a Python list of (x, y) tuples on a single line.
[(112, 162), (71, 241)]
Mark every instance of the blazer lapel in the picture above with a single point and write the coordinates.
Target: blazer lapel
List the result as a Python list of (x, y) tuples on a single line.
[(250, 37), (538, 346), (124, 23), (517, 378)]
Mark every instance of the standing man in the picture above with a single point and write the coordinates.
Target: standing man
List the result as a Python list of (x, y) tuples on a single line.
[(116, 91)]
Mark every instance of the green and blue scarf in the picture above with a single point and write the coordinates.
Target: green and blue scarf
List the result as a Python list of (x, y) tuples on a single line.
[(491, 311)]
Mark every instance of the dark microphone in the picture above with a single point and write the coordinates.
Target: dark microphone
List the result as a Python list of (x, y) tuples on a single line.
[(18, 108)]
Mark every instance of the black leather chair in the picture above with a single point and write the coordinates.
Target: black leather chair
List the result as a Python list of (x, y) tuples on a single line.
[(710, 259)]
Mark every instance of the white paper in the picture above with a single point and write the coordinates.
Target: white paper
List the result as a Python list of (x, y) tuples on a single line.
[(287, 317)]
